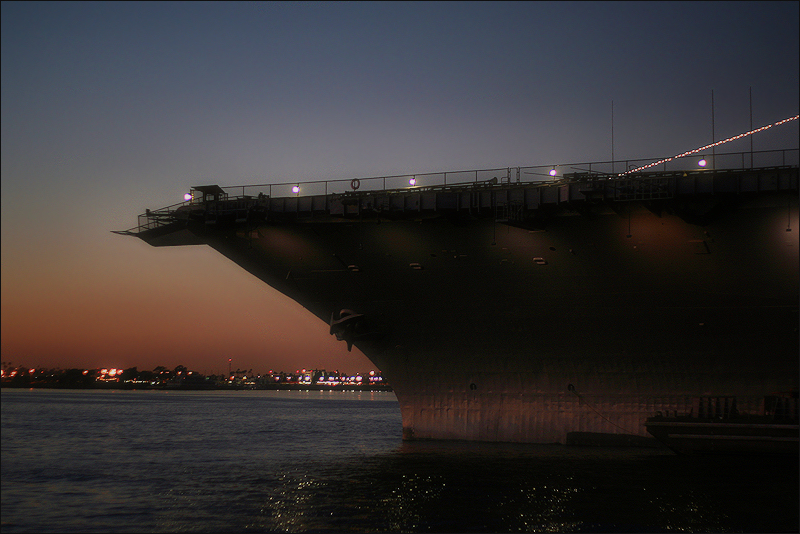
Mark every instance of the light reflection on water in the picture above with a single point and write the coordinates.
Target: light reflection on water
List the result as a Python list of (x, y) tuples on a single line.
[(263, 461)]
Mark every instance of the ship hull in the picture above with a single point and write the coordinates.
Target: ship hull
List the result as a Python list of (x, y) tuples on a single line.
[(587, 321), (481, 342)]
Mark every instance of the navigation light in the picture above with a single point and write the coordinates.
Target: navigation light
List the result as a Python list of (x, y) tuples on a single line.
[(187, 197), (702, 162), (553, 171)]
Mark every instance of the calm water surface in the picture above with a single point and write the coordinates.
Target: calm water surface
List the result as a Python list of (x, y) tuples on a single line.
[(158, 461)]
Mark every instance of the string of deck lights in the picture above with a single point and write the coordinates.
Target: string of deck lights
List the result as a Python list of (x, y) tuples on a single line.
[(413, 180), (702, 148)]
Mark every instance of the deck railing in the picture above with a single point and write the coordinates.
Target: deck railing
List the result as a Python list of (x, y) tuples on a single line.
[(503, 176), (511, 175)]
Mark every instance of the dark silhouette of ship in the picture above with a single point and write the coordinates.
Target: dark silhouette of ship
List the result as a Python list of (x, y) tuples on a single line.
[(557, 311)]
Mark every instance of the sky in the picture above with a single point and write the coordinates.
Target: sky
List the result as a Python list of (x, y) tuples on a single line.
[(111, 108)]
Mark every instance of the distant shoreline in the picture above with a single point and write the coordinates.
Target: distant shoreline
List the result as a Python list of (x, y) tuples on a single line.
[(271, 387)]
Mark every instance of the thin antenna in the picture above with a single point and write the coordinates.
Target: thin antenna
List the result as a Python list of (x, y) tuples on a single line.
[(713, 136), (612, 137), (751, 126)]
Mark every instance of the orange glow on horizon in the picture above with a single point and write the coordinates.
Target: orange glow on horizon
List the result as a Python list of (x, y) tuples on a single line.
[(91, 320)]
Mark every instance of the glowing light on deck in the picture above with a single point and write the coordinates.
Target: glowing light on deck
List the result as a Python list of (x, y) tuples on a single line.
[(702, 163), (187, 197), (552, 172), (412, 181), (296, 189), (703, 148)]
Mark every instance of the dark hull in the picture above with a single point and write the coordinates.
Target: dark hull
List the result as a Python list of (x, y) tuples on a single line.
[(586, 317)]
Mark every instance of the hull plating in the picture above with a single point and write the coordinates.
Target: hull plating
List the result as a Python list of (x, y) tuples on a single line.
[(591, 324)]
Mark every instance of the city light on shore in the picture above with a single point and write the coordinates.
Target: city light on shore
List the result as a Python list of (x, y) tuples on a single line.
[(183, 378)]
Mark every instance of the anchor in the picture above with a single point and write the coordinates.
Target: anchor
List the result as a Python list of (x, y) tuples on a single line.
[(347, 327)]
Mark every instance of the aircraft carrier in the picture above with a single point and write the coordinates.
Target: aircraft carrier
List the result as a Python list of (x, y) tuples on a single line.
[(567, 306)]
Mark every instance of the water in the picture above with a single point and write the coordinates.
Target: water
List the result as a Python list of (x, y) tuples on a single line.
[(159, 461)]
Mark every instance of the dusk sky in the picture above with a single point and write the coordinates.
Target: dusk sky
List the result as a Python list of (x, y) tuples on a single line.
[(111, 108)]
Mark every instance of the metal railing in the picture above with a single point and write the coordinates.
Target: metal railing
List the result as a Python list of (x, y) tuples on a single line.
[(502, 176), (512, 175)]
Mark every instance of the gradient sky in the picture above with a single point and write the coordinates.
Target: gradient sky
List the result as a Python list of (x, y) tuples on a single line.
[(111, 108)]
